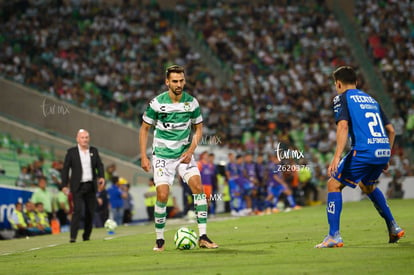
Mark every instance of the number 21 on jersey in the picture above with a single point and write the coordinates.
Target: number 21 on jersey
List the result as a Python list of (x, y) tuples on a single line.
[(374, 121)]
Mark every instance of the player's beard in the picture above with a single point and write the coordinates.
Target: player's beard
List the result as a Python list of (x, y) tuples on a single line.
[(177, 91)]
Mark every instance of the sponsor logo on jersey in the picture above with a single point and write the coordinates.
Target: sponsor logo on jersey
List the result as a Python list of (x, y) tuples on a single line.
[(383, 153), (362, 99), (186, 106)]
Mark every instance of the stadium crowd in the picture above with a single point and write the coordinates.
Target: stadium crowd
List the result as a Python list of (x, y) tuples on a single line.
[(392, 52), (102, 58), (107, 60)]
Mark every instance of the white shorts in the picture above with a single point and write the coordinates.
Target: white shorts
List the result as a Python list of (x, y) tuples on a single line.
[(165, 170)]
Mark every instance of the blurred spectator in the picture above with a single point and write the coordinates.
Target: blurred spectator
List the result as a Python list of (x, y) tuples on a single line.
[(116, 200), (128, 203), (398, 122), (54, 173), (250, 172), (24, 179), (207, 173), (395, 190), (102, 206), (261, 126), (18, 222), (41, 194), (30, 214), (276, 186), (410, 126), (212, 165), (242, 189), (150, 196), (110, 172), (62, 208), (231, 172), (37, 171), (291, 176), (173, 209), (42, 220), (223, 187), (306, 182), (188, 203)]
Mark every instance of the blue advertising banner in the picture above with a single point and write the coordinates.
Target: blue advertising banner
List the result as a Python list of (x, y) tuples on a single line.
[(8, 197)]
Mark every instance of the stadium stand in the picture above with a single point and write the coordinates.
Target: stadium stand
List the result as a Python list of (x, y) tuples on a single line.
[(105, 59), (387, 31), (15, 154)]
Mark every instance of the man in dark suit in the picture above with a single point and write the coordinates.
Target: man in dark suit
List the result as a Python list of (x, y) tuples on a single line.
[(86, 172)]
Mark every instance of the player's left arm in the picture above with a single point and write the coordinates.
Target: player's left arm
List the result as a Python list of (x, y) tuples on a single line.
[(391, 137), (198, 133), (341, 141), (340, 107), (388, 127), (391, 134)]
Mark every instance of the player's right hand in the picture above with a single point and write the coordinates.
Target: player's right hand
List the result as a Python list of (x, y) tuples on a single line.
[(333, 167), (145, 164)]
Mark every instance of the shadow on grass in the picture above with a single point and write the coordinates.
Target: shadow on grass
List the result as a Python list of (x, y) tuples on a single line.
[(231, 251), (400, 245)]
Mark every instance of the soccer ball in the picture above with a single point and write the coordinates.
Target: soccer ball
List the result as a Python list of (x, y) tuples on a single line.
[(110, 226), (185, 238)]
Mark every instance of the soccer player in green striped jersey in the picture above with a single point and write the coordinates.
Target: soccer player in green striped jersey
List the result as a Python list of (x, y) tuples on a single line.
[(173, 113)]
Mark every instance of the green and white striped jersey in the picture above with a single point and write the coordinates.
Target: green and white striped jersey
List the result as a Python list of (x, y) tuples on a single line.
[(172, 123)]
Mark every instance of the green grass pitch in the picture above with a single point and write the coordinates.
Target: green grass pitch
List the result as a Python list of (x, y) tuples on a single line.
[(273, 244)]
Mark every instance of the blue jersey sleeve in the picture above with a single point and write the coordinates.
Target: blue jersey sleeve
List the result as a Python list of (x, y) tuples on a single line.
[(340, 108)]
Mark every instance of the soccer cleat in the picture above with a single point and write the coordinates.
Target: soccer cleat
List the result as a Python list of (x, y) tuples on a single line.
[(297, 207), (258, 213), (330, 242), (159, 245), (234, 213), (396, 234), (205, 242), (275, 210)]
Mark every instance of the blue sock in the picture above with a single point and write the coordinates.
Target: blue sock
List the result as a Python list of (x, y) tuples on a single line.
[(275, 201), (382, 207), (268, 204), (291, 201), (235, 203), (255, 204), (212, 208), (334, 209)]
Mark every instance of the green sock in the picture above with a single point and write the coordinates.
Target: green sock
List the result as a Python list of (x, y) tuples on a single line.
[(200, 203), (160, 217)]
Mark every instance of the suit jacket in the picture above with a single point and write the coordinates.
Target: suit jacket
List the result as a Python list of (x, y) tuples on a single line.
[(73, 162)]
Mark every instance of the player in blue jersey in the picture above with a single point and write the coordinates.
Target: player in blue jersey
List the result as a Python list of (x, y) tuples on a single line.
[(276, 186), (359, 116), (232, 174), (250, 171), (245, 185)]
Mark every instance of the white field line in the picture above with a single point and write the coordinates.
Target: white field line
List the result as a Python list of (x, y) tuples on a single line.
[(171, 221)]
